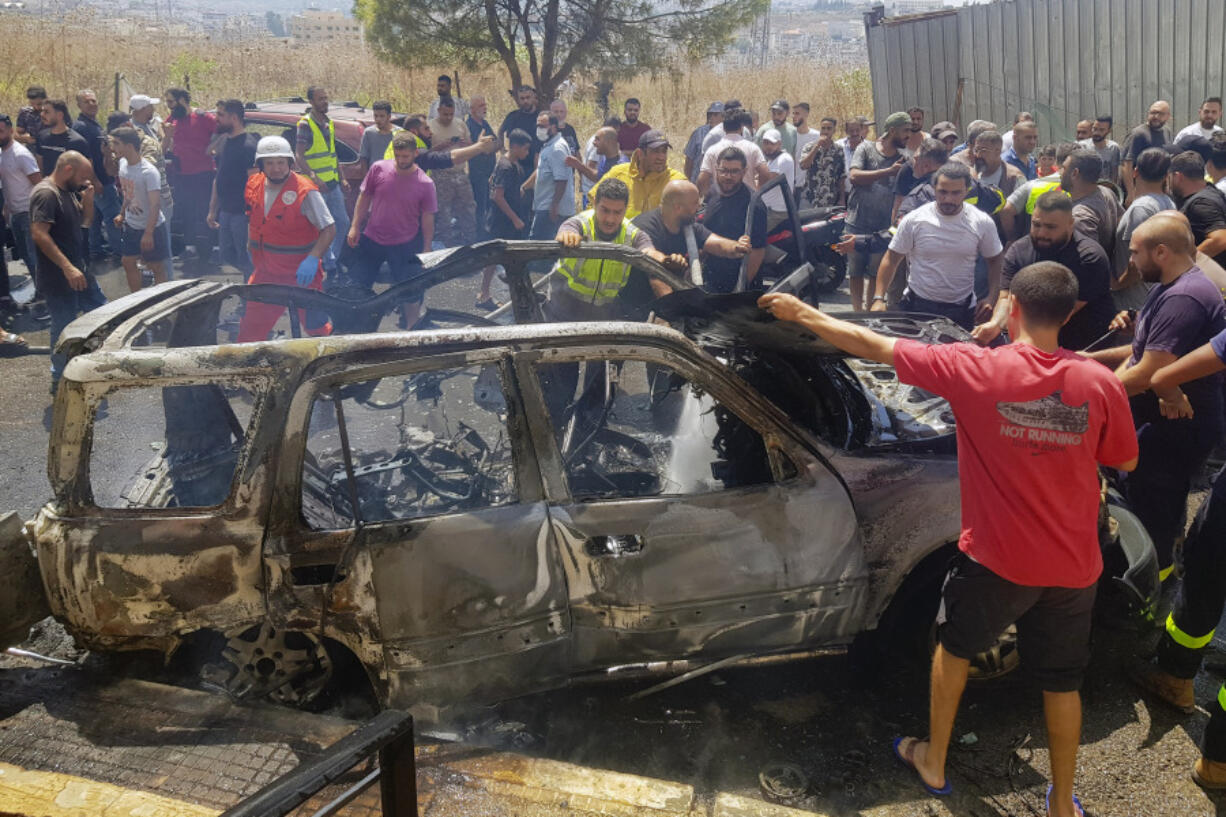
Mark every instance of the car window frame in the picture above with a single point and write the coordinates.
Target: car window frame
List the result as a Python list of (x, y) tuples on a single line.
[(787, 454), (330, 372), (263, 121), (82, 499)]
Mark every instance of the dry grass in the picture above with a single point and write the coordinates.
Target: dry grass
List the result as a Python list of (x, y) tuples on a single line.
[(72, 53)]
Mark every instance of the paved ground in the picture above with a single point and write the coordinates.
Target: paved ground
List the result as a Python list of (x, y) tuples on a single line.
[(717, 734)]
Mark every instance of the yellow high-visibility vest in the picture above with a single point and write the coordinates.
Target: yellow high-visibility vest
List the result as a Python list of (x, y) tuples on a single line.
[(594, 280), (321, 153)]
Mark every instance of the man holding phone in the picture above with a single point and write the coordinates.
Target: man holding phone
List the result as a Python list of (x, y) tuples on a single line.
[(56, 219)]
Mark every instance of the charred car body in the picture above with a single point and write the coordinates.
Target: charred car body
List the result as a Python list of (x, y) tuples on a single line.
[(478, 512)]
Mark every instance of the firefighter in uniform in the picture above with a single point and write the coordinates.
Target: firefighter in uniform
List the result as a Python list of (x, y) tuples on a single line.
[(316, 155), (1193, 621), (290, 230)]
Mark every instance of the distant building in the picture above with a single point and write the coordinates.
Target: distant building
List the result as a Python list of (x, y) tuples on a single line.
[(313, 26), (896, 8)]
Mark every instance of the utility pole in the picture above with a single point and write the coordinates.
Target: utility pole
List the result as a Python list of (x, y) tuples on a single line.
[(759, 40)]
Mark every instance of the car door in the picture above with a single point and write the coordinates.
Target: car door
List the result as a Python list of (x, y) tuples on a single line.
[(418, 532), (692, 519)]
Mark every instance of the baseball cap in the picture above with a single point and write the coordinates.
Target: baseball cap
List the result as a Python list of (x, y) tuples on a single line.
[(653, 139), (897, 120), (782, 105), (772, 135), (715, 107), (945, 133), (139, 101)]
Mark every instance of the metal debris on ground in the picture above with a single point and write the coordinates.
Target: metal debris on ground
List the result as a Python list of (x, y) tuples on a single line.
[(783, 783)]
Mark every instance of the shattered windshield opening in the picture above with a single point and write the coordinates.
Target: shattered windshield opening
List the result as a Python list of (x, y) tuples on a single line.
[(629, 428)]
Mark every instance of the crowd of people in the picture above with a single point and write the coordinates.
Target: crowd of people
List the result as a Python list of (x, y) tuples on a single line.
[(1062, 249), (1056, 248)]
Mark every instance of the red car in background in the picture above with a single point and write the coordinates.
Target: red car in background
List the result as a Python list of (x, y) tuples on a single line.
[(280, 117)]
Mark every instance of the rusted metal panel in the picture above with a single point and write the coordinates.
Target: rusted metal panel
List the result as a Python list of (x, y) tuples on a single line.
[(1063, 60)]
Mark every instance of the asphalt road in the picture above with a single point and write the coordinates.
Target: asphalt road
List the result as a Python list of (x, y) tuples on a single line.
[(825, 717)]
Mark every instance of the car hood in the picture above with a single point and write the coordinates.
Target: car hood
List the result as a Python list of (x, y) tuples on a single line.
[(882, 411)]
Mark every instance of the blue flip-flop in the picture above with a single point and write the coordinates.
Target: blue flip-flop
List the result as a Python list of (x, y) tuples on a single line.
[(910, 764), (1076, 802)]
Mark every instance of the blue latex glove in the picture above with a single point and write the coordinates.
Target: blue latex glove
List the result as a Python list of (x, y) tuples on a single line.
[(307, 270)]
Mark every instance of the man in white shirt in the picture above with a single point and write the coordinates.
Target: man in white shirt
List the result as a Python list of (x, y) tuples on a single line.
[(780, 163), (18, 175), (717, 131), (142, 214), (941, 241), (1210, 113), (756, 171), (805, 135)]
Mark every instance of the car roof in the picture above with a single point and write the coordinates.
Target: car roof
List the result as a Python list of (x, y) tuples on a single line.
[(340, 111), (112, 325), (252, 359)]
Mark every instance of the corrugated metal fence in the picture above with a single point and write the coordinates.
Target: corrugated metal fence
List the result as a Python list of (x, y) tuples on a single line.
[(1062, 60)]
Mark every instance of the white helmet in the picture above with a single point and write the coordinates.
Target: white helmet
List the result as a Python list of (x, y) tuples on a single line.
[(273, 147)]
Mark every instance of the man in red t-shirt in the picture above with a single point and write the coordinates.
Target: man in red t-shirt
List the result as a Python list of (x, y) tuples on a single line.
[(188, 134), (1034, 421)]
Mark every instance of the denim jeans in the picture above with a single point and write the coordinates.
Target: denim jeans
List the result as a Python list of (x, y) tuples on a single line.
[(192, 192), (106, 206), (23, 237), (170, 262), (64, 308), (335, 199), (232, 238)]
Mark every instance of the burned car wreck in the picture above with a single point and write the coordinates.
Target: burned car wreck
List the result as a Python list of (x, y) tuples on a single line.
[(478, 511)]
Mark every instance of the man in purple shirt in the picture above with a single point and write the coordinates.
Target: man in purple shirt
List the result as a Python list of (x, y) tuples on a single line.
[(400, 201), (1184, 310)]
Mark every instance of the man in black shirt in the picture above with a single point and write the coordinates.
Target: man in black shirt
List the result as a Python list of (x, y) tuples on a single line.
[(104, 236), (1201, 202), (480, 168), (1153, 134), (509, 210), (725, 215), (523, 118), (56, 220), (1053, 237), (227, 205), (57, 137), (666, 226), (926, 161)]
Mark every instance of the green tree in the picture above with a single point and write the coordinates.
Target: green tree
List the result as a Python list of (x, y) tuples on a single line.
[(555, 38)]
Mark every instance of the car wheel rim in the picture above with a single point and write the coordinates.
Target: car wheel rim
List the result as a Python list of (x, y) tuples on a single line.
[(287, 667)]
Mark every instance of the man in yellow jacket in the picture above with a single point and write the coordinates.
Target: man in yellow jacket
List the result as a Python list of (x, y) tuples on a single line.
[(646, 174)]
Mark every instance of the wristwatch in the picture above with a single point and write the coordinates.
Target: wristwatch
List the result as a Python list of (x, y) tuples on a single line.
[(878, 298)]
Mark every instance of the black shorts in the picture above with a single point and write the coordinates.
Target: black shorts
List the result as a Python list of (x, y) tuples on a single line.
[(131, 245), (1053, 623)]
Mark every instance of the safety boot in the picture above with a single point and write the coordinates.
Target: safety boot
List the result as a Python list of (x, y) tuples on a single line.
[(1177, 692), (1209, 774)]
